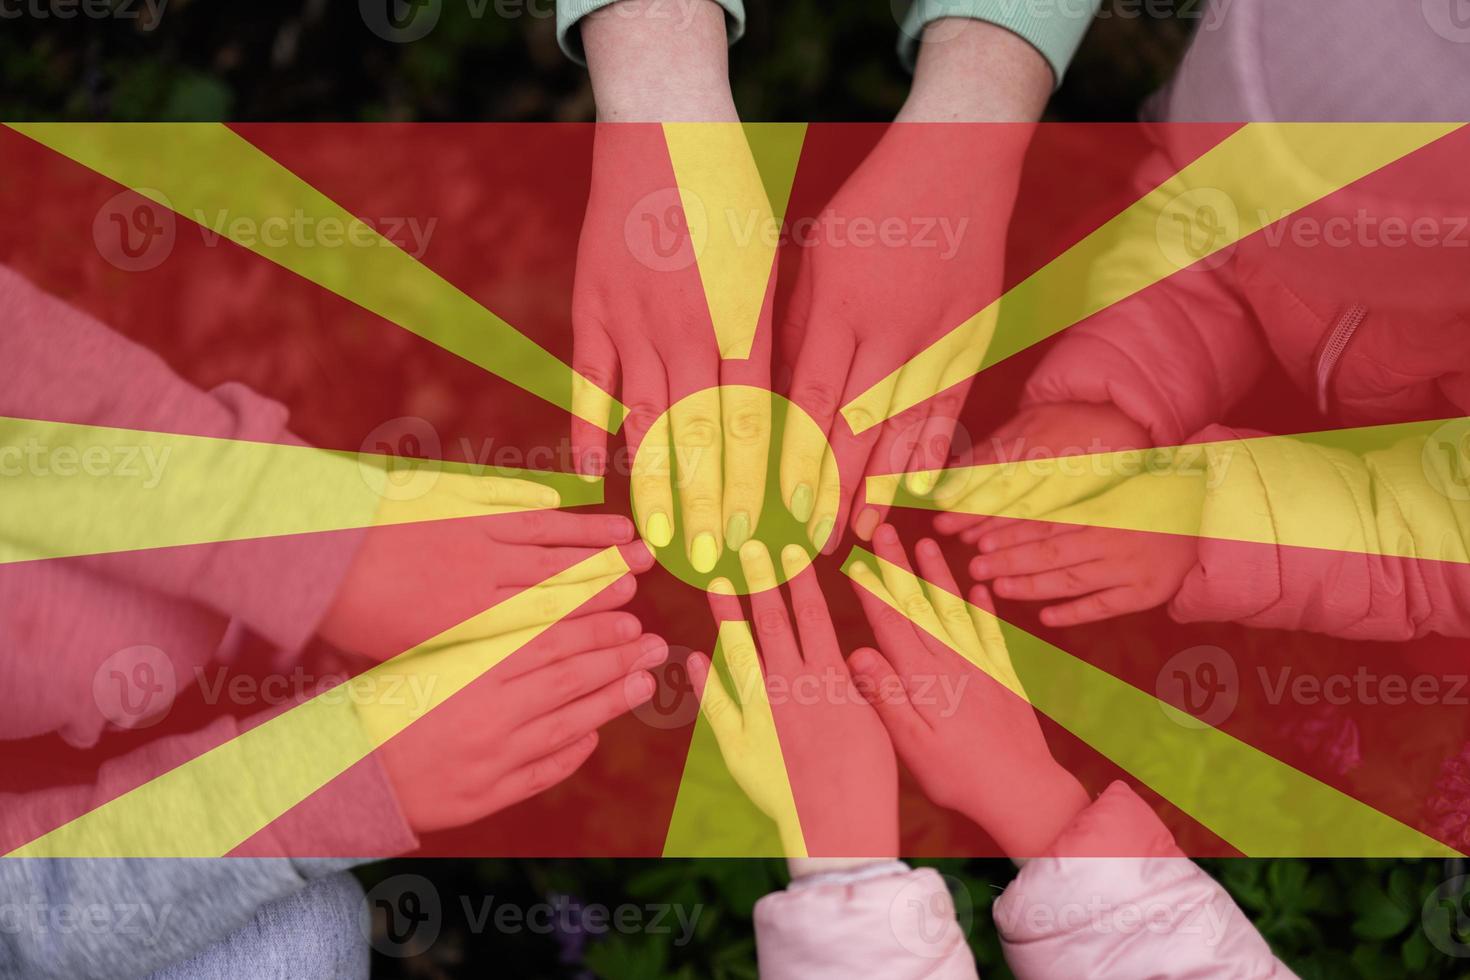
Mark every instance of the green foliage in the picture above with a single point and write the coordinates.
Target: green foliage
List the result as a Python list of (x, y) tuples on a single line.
[(1328, 919)]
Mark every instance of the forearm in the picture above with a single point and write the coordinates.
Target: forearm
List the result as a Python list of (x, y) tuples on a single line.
[(647, 66), (973, 71)]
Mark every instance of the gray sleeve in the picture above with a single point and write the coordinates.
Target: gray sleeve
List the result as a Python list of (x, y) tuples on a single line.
[(70, 918)]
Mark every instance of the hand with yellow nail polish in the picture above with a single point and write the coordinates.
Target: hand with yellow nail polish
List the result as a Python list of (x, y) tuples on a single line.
[(795, 732), (698, 423)]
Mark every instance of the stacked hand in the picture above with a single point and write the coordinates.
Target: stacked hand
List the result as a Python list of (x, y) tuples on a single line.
[(1055, 525), (795, 702)]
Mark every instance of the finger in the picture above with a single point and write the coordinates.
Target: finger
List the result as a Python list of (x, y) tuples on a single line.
[(1118, 601), (1048, 554), (494, 492), (724, 603), (889, 454), (1061, 583), (899, 577), (570, 722), (1009, 534), (935, 439), (556, 684), (819, 379), (944, 595), (537, 777), (819, 644), (596, 360), (542, 605), (842, 481), (992, 639), (647, 429), (747, 432), (715, 703), (597, 631), (896, 636), (768, 608), (697, 450), (881, 687), (551, 527)]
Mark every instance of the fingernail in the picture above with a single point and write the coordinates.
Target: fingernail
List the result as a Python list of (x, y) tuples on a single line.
[(980, 569), (867, 522), (705, 553), (655, 652), (660, 532), (922, 483), (620, 529), (801, 502), (722, 586), (793, 558), (862, 661), (628, 628), (737, 531), (822, 532), (640, 688), (549, 497)]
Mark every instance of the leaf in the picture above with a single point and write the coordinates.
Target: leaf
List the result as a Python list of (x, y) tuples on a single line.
[(1376, 915)]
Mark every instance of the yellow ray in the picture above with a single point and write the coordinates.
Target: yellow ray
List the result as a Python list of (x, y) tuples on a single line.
[(1255, 177), (69, 490), (735, 797), (735, 181), (1254, 802), (213, 803), (1399, 491), (209, 174)]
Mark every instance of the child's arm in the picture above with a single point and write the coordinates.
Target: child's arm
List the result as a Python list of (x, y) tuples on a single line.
[(1104, 892)]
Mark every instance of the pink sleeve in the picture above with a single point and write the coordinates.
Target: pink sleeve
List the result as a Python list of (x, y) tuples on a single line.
[(1086, 912), (1286, 489), (59, 364), (898, 926), (1173, 356)]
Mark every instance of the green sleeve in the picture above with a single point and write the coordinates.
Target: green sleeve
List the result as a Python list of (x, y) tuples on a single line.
[(1054, 28), (569, 12)]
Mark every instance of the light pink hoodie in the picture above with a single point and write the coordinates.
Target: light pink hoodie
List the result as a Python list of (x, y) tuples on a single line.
[(1075, 913)]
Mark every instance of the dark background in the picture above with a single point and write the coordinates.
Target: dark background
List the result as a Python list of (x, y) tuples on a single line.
[(801, 60)]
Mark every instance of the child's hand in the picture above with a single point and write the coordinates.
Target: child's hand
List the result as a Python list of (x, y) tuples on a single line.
[(969, 736), (417, 574), (1027, 486), (1105, 570), (514, 731), (795, 702)]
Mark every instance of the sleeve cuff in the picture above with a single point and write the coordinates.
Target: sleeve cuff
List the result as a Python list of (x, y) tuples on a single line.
[(570, 12), (1054, 30)]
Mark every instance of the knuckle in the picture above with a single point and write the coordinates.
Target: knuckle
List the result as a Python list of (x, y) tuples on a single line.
[(916, 606), (746, 425), (770, 622), (810, 613), (818, 398), (700, 431)]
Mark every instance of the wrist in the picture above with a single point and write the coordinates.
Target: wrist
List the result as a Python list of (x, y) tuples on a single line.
[(973, 71), (649, 67), (1032, 813)]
